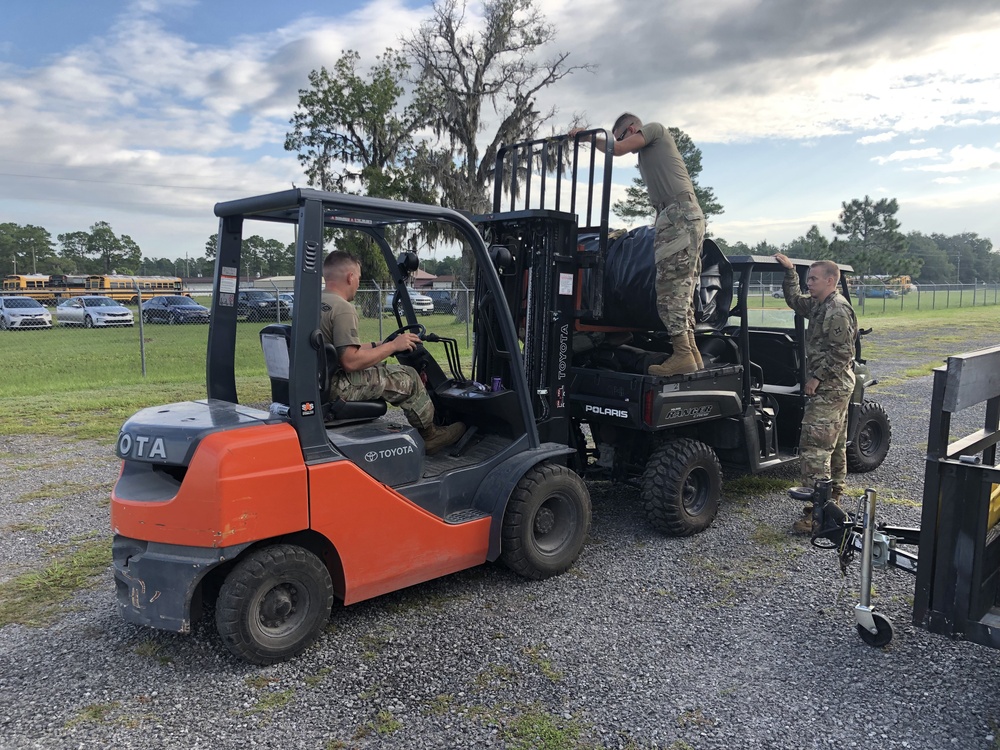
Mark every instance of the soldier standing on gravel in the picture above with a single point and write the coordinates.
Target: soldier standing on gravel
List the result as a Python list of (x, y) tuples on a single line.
[(363, 373), (680, 230), (830, 342)]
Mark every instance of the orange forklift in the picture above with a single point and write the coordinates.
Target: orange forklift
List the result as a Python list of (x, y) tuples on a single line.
[(266, 515)]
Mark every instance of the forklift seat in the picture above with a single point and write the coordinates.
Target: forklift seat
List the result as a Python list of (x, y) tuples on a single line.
[(275, 340)]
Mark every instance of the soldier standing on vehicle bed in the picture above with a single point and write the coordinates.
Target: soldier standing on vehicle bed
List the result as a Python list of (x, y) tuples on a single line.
[(830, 346), (364, 375), (680, 230)]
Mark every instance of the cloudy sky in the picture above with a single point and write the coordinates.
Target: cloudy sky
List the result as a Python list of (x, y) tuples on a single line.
[(144, 113)]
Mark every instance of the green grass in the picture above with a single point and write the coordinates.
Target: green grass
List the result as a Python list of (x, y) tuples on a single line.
[(36, 598), (535, 656), (86, 383), (95, 713), (537, 729), (272, 702)]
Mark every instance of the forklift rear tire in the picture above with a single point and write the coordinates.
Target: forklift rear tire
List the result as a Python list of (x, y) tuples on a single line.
[(883, 634), (681, 487), (871, 440), (546, 522), (273, 604)]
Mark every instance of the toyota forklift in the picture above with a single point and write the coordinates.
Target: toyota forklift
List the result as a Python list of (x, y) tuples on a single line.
[(267, 515)]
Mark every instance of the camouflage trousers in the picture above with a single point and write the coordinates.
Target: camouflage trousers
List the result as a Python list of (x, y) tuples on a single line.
[(823, 446), (398, 384), (680, 230)]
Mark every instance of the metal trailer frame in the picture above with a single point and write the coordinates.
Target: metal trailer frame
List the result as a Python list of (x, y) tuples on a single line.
[(958, 580)]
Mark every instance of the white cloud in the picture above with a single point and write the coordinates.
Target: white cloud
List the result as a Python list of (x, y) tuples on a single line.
[(880, 138), (947, 181), (967, 159), (922, 153), (143, 120)]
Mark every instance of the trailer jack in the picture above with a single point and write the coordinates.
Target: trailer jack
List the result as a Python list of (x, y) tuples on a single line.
[(835, 528)]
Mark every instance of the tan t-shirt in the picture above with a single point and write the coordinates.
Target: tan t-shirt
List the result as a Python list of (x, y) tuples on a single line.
[(662, 166), (338, 320)]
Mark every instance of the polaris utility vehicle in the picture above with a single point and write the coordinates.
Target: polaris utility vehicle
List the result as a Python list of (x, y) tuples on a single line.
[(269, 514), (671, 437)]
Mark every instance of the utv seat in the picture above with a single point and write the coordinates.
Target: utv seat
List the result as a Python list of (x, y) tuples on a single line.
[(275, 340)]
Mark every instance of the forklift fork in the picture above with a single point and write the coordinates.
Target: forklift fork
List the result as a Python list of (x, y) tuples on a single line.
[(834, 528)]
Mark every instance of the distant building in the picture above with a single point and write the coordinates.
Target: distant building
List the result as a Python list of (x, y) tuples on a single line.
[(422, 279)]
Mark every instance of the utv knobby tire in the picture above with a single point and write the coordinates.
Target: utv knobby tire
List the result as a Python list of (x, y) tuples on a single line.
[(273, 604), (681, 487), (546, 522), (870, 442)]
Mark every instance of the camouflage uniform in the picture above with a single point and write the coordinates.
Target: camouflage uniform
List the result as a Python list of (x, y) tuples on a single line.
[(680, 227), (398, 384), (830, 342), (680, 230)]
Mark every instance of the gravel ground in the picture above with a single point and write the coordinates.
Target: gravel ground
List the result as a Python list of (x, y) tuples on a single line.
[(741, 637)]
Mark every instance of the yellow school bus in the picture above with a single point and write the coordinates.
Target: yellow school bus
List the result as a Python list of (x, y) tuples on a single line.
[(127, 288), (34, 285), (50, 290)]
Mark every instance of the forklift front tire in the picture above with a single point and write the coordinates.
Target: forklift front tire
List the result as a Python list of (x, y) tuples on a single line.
[(273, 604), (546, 522)]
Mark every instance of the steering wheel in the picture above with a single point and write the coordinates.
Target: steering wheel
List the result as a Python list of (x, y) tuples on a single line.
[(417, 328)]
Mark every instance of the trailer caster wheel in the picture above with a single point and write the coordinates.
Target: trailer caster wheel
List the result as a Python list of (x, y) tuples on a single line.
[(883, 634), (273, 604)]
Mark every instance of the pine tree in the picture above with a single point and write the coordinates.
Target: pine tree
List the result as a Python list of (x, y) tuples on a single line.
[(636, 206)]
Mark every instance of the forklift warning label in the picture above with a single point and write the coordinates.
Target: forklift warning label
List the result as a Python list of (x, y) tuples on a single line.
[(565, 283), (227, 280)]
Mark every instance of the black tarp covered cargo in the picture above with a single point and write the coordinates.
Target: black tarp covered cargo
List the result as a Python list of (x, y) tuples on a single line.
[(630, 276)]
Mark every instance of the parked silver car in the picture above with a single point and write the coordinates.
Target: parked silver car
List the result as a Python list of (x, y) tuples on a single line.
[(93, 311), (17, 313)]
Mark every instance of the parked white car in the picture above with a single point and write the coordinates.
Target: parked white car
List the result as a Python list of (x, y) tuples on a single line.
[(93, 311), (17, 313), (422, 304)]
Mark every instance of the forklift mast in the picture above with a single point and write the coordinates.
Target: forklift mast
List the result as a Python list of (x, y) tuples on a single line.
[(533, 239)]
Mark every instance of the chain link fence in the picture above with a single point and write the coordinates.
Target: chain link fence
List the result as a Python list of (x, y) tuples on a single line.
[(163, 334), (879, 298)]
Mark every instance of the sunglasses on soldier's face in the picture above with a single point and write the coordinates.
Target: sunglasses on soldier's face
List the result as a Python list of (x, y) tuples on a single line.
[(621, 137)]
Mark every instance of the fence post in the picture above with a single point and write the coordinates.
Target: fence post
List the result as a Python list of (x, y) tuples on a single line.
[(277, 300), (379, 303), (467, 296), (142, 330)]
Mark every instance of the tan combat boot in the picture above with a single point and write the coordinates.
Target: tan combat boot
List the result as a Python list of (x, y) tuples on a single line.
[(436, 438), (681, 362), (804, 525), (694, 350)]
